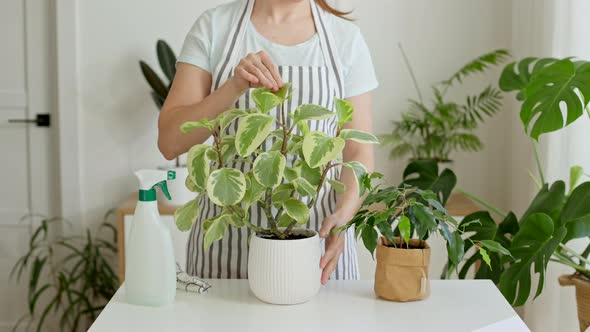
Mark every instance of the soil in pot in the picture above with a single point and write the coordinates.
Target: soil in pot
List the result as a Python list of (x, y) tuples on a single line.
[(402, 274), (285, 271)]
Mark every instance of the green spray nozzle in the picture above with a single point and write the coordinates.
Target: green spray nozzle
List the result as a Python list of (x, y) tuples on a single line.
[(149, 180)]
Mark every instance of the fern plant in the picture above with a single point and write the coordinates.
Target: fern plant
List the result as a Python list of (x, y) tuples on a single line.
[(434, 131), (70, 278)]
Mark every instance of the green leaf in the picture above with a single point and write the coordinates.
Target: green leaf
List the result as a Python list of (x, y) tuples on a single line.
[(531, 247), (576, 213), (190, 185), (252, 131), (370, 236), (312, 175), (344, 110), (205, 123), (153, 80), (424, 175), (479, 65), (283, 91), (167, 59), (455, 244), (291, 173), (319, 148), (216, 230), (576, 173), (385, 228), (405, 228), (228, 148), (265, 100), (485, 256), (423, 221), (198, 165), (226, 186), (549, 200), (254, 190), (338, 186), (303, 187), (360, 172), (358, 136), (228, 117), (186, 215), (550, 88), (311, 112), (285, 220), (296, 210), (235, 220), (268, 168), (494, 246), (282, 193)]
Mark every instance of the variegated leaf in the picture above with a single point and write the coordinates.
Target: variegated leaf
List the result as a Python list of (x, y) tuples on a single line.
[(190, 185), (304, 188), (285, 220), (252, 131), (359, 171), (254, 190), (282, 193), (358, 136), (216, 230), (319, 148), (268, 168), (186, 215), (311, 112), (312, 175), (296, 210), (226, 186), (344, 110), (189, 126), (229, 116), (265, 100), (228, 148), (338, 186), (198, 165)]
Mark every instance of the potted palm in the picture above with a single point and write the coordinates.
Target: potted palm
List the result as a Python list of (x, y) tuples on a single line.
[(398, 231), (283, 261), (548, 88), (160, 88), (434, 130)]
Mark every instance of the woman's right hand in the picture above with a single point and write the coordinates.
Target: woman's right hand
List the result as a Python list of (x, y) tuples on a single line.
[(257, 70)]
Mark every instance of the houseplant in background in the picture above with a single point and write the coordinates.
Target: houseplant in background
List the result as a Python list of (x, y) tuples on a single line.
[(410, 215), (70, 278), (548, 88), (284, 191), (434, 130), (160, 88)]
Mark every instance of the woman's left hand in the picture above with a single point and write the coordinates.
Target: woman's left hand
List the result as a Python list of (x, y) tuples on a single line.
[(334, 243)]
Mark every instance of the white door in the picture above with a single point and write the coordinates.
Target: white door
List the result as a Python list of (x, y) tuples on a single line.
[(26, 151)]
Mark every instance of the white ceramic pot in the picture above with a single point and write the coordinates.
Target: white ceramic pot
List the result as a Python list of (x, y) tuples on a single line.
[(285, 271), (178, 191)]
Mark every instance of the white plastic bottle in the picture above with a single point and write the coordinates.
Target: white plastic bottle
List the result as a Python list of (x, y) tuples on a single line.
[(150, 268)]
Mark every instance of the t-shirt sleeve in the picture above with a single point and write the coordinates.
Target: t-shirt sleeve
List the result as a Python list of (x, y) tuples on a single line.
[(358, 70), (196, 49)]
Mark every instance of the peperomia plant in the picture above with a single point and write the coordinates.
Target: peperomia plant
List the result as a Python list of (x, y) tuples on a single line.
[(283, 181), (411, 212)]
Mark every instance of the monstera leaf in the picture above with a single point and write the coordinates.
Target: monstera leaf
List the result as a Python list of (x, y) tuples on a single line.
[(424, 175), (549, 200), (551, 84), (533, 246)]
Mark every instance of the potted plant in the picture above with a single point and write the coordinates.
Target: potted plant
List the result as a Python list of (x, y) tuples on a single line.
[(410, 216), (70, 277), (283, 261), (167, 60), (434, 130), (546, 87)]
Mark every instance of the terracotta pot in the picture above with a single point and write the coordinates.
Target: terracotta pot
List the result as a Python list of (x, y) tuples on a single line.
[(582, 297), (402, 274)]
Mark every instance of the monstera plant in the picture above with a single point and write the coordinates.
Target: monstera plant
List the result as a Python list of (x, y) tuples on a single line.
[(547, 88), (284, 190)]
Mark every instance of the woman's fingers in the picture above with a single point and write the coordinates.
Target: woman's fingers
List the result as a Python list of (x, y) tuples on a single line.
[(329, 269), (327, 225), (334, 248), (243, 73), (256, 61), (274, 71)]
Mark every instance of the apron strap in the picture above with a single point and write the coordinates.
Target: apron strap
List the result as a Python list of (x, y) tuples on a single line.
[(330, 52), (234, 44)]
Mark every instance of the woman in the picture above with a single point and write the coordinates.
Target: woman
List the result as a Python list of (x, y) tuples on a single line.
[(264, 43)]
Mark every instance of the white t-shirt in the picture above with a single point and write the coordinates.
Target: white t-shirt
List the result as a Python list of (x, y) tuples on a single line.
[(204, 43)]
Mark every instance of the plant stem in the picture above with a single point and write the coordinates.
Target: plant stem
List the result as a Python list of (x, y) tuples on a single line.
[(407, 61), (538, 161), (285, 131), (483, 203), (582, 259), (585, 253)]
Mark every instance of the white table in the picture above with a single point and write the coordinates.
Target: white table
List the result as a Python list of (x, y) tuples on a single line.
[(454, 305)]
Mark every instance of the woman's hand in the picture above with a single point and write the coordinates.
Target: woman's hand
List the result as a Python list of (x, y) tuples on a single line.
[(334, 242), (257, 70)]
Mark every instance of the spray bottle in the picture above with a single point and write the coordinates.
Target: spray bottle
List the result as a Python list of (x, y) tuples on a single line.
[(150, 268)]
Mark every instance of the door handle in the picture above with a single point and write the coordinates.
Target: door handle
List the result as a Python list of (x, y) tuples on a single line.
[(41, 120)]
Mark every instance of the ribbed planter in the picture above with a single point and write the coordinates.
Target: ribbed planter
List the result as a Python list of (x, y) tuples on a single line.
[(285, 271)]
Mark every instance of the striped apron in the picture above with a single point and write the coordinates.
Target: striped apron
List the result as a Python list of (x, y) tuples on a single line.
[(228, 257)]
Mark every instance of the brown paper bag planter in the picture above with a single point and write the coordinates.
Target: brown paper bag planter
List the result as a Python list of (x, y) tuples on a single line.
[(582, 297), (402, 274)]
